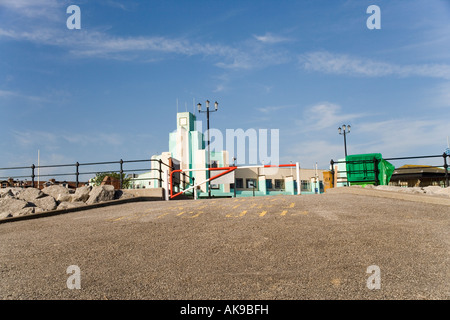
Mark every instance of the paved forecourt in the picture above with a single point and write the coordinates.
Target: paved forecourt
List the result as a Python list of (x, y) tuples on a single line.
[(328, 246)]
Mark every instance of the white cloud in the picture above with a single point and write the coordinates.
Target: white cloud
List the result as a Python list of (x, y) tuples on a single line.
[(271, 109), (325, 115), (6, 93), (30, 138), (392, 138), (27, 23), (396, 137), (36, 9), (53, 140), (270, 38), (308, 152), (16, 94), (98, 44), (343, 64)]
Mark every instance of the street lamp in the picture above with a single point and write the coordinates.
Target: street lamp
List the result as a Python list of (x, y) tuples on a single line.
[(216, 107), (344, 131)]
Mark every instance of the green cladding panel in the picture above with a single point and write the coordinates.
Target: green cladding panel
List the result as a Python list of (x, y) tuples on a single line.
[(361, 169)]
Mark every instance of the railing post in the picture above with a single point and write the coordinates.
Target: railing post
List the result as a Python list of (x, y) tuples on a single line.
[(332, 174), (446, 169), (375, 170), (32, 175), (77, 173), (121, 173)]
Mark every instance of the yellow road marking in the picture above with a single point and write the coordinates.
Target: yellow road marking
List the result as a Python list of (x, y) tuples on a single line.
[(164, 214), (236, 206), (180, 213), (284, 212), (336, 282), (195, 216), (262, 214), (230, 215), (292, 205)]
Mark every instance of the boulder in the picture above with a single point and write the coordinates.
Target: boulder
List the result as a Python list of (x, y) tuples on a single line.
[(8, 194), (120, 194), (436, 190), (15, 207), (101, 193), (5, 215), (413, 190), (30, 194), (47, 203), (70, 205), (60, 193), (445, 191), (81, 194), (13, 191), (24, 212)]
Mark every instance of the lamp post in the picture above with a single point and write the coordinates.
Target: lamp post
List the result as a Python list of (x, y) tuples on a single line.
[(216, 107), (234, 174), (344, 131)]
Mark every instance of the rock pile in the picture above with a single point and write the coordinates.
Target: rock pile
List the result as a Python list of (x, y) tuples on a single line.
[(18, 202), (430, 190)]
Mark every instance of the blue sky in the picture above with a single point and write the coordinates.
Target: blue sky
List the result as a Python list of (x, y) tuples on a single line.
[(109, 90)]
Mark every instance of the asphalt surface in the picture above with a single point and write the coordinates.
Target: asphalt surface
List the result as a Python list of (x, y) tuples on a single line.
[(279, 247)]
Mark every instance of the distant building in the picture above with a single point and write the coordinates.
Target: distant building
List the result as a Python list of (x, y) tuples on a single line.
[(187, 152), (11, 183), (418, 176)]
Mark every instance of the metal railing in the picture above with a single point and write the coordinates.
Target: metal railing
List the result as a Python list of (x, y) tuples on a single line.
[(375, 169), (77, 170)]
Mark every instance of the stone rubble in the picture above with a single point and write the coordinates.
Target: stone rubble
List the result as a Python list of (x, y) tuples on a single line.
[(430, 190), (18, 201)]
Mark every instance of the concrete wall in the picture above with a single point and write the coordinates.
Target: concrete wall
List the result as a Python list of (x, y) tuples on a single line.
[(149, 192)]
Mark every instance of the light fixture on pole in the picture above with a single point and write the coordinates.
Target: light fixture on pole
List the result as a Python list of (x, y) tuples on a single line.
[(344, 131), (208, 165)]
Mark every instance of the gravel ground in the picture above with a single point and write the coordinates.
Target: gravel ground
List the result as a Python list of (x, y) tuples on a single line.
[(280, 247)]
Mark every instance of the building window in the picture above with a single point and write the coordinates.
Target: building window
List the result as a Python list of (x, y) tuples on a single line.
[(239, 183), (251, 183), (183, 121), (269, 184), (305, 185), (279, 184)]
